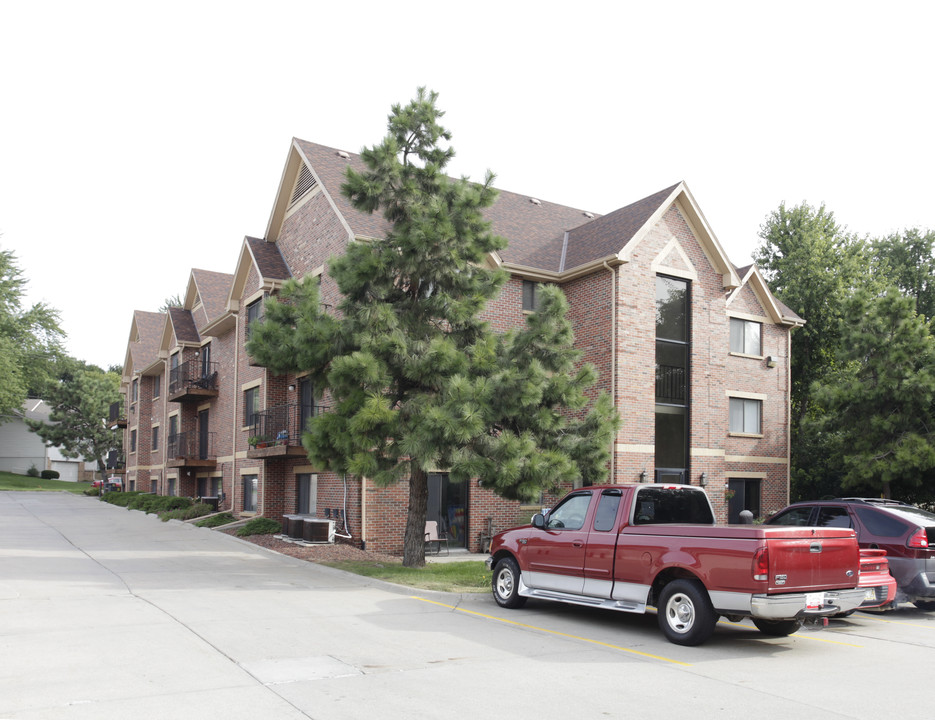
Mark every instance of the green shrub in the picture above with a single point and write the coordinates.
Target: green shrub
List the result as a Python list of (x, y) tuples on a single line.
[(216, 520), (259, 526), (32, 472), (49, 475), (121, 499), (94, 492), (186, 513)]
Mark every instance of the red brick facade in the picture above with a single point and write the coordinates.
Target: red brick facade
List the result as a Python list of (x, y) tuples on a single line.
[(612, 301)]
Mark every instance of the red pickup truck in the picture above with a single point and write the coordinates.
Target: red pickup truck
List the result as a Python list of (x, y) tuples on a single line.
[(629, 547)]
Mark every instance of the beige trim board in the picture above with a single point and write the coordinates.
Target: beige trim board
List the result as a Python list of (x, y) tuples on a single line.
[(756, 459), (624, 448), (746, 395), (752, 475), (706, 452)]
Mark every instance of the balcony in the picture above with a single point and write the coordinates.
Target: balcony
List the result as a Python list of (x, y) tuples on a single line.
[(191, 449), (116, 463), (277, 431), (193, 381), (116, 418)]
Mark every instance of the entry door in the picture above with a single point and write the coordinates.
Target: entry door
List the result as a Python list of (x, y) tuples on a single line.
[(203, 435), (555, 554), (307, 493), (746, 496), (447, 505)]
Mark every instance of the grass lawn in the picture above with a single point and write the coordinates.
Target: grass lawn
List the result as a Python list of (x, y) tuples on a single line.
[(11, 481), (458, 577)]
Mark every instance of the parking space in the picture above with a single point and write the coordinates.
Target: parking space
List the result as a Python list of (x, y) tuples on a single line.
[(107, 613)]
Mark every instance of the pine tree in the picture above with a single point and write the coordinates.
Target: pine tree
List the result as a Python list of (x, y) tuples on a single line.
[(417, 380)]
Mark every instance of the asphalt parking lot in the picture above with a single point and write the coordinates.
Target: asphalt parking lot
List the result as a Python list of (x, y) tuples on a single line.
[(109, 613)]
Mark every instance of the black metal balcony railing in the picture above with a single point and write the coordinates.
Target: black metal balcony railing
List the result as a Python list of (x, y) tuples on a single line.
[(283, 425), (116, 416), (193, 375), (115, 460), (670, 384), (191, 446)]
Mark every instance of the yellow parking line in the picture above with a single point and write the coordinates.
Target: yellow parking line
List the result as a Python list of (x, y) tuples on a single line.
[(897, 622), (554, 632)]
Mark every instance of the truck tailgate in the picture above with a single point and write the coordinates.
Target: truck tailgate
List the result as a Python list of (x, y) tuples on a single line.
[(812, 558)]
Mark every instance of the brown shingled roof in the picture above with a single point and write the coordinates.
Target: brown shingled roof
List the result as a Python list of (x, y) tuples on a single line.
[(609, 234), (213, 288), (535, 230), (149, 326), (183, 325), (269, 260)]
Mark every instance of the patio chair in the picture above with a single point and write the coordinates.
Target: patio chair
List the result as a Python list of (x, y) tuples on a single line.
[(433, 536)]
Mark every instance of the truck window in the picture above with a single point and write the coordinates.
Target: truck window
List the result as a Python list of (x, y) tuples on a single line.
[(570, 514), (606, 515), (659, 506)]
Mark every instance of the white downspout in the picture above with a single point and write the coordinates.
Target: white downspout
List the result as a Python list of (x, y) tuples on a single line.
[(613, 365)]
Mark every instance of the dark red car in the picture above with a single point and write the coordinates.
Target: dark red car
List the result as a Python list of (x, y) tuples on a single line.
[(905, 532)]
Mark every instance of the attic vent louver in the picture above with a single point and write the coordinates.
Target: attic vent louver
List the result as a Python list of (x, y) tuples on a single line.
[(305, 182), (535, 201), (588, 214), (342, 154)]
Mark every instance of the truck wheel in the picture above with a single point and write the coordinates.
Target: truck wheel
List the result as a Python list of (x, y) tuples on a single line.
[(685, 613), (777, 628), (505, 584)]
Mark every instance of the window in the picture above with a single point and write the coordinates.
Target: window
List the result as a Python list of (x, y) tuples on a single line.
[(135, 390), (833, 517), (530, 295), (570, 514), (745, 337), (153, 485), (254, 314), (251, 403), (170, 490), (606, 515), (206, 361), (745, 416), (157, 385), (155, 438), (673, 352), (797, 517), (133, 441), (249, 493)]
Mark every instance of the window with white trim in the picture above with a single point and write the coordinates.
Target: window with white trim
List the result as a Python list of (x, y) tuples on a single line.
[(746, 416), (745, 337)]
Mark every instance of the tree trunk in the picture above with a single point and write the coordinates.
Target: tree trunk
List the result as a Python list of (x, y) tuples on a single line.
[(414, 548)]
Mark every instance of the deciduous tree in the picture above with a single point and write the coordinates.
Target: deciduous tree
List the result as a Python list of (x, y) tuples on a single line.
[(30, 339), (80, 399), (878, 401)]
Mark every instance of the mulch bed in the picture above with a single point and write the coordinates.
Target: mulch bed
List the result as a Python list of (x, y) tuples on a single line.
[(338, 552)]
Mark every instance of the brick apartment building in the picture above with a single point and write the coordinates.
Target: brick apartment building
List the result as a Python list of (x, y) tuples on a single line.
[(694, 350)]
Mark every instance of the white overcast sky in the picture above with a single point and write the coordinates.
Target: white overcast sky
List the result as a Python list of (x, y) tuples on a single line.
[(139, 140)]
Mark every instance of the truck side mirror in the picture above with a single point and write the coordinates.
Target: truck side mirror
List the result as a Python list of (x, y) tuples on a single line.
[(538, 521)]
